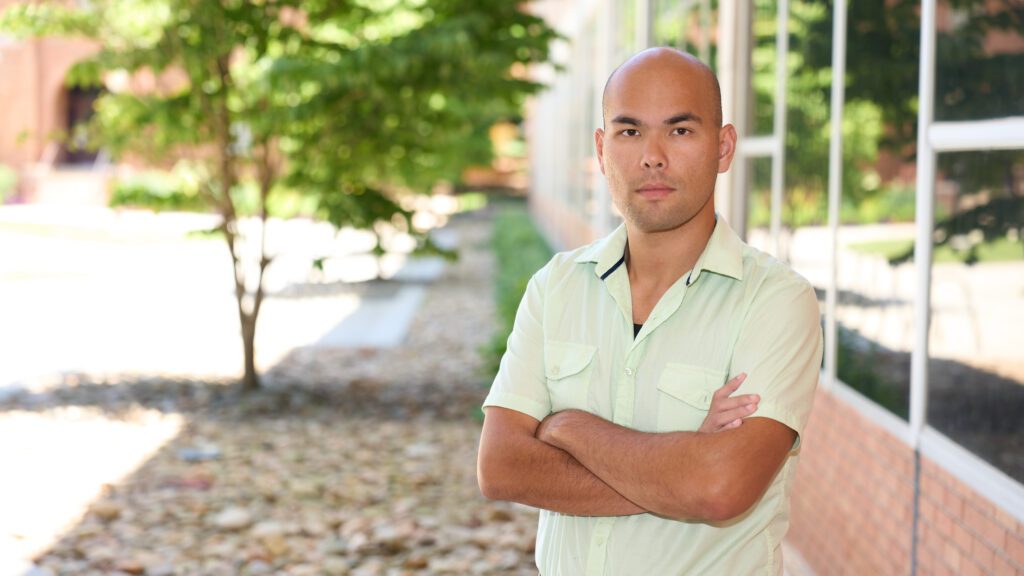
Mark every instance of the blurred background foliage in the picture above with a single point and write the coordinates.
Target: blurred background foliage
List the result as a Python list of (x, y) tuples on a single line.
[(350, 104), (520, 251), (881, 102), (8, 182)]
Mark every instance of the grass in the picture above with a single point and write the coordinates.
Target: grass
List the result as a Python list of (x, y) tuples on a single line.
[(520, 251), (1002, 250)]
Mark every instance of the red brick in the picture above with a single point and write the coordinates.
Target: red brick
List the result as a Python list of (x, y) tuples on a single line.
[(951, 556), (943, 525), (1003, 567), (968, 568), (983, 554), (943, 570), (1015, 549), (962, 537), (953, 502), (983, 525), (982, 504), (1006, 519)]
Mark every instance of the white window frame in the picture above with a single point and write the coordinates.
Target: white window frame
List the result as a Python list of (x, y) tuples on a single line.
[(754, 146), (934, 137)]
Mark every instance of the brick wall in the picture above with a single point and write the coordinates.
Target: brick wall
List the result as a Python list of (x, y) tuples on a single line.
[(852, 506), (962, 532)]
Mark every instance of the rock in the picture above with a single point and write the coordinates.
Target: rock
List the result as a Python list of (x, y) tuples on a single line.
[(415, 562), (358, 543), (106, 510), (275, 544), (422, 450), (304, 570), (160, 570), (257, 568), (333, 547), (304, 488), (233, 518), (130, 566), (267, 528), (335, 567), (199, 453), (499, 515)]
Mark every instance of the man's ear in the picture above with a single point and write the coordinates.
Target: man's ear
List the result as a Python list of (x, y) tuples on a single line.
[(599, 145), (726, 147)]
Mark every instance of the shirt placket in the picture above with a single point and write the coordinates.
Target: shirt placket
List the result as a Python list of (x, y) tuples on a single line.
[(622, 414), (623, 410)]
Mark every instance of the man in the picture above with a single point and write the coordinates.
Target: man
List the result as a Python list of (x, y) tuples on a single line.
[(609, 411)]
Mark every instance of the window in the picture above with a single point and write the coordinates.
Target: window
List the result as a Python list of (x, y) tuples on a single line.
[(875, 275), (975, 364)]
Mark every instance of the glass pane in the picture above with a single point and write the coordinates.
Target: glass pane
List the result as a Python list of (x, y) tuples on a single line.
[(805, 236), (876, 285), (581, 122), (979, 61), (762, 65), (759, 197), (624, 25), (685, 24), (975, 343)]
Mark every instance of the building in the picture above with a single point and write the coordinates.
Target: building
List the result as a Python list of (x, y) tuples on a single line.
[(39, 106), (899, 194)]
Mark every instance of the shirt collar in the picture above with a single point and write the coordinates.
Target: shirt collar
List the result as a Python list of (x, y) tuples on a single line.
[(722, 255)]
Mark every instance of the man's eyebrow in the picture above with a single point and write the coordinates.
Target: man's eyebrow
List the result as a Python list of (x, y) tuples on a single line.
[(685, 117), (626, 120)]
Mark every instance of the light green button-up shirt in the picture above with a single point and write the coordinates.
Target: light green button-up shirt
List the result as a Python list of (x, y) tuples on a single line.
[(738, 310)]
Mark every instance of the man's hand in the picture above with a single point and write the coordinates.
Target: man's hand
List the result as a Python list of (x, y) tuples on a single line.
[(728, 412)]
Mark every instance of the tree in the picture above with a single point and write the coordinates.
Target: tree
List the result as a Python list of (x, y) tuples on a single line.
[(345, 101)]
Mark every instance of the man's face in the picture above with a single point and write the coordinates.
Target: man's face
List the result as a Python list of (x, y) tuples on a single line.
[(661, 148)]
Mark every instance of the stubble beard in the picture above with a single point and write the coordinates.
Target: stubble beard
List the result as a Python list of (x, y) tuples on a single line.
[(651, 217)]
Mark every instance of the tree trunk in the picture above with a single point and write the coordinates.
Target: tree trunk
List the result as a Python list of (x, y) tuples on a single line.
[(250, 378)]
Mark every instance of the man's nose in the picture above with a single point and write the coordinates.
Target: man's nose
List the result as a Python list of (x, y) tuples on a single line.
[(654, 155)]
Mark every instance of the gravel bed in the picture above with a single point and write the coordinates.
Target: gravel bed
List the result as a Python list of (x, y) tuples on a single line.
[(350, 461)]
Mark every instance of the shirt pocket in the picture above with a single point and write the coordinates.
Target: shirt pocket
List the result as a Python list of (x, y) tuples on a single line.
[(568, 367), (684, 396)]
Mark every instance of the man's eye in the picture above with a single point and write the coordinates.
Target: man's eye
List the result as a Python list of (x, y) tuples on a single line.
[(681, 131), (630, 132)]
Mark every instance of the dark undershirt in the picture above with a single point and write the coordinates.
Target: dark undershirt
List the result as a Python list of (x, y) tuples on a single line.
[(636, 329)]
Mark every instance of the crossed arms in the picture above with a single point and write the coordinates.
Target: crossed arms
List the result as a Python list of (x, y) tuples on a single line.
[(577, 463)]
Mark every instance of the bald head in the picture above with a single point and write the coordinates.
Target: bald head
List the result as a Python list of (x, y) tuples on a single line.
[(663, 60)]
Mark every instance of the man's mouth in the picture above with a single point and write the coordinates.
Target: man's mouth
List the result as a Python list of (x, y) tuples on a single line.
[(655, 190)]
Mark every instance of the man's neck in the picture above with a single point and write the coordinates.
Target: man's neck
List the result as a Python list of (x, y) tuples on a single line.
[(658, 259)]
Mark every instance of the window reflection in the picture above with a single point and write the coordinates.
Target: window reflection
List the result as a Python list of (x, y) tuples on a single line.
[(979, 63), (764, 24), (976, 363), (685, 24), (875, 294)]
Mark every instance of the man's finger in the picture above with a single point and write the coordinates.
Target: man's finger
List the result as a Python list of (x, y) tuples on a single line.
[(731, 386), (735, 413), (736, 402)]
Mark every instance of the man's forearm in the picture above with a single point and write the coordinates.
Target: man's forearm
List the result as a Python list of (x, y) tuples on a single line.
[(521, 468), (682, 475)]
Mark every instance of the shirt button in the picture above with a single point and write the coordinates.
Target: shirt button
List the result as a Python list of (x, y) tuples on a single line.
[(554, 370), (600, 540), (629, 371)]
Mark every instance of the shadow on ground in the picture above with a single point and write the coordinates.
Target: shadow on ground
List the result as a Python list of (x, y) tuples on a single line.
[(348, 461)]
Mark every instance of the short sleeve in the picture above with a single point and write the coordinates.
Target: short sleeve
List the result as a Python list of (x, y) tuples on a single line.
[(779, 348), (520, 383)]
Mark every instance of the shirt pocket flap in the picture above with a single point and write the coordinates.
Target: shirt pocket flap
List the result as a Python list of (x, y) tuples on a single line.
[(563, 359), (691, 384)]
